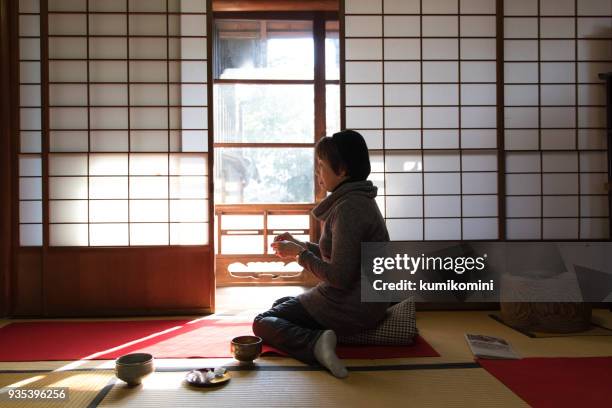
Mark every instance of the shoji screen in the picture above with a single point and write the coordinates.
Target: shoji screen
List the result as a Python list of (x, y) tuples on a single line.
[(128, 123), (421, 86), (555, 117), (30, 125)]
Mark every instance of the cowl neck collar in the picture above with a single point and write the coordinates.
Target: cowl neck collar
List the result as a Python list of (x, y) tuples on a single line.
[(364, 188)]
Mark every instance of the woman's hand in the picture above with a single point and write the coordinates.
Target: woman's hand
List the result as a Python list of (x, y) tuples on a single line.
[(286, 249), (285, 236)]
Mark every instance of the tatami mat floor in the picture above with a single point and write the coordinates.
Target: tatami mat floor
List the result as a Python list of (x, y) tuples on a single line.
[(451, 380)]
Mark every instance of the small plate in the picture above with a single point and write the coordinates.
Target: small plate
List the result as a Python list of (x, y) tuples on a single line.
[(197, 378)]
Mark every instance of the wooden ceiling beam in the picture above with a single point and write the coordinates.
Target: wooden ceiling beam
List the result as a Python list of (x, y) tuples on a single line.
[(275, 5)]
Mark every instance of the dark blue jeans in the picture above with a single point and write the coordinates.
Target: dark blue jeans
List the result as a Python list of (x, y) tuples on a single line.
[(289, 328)]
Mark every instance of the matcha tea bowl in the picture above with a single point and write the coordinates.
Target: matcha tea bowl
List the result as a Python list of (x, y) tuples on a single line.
[(246, 348), (132, 368)]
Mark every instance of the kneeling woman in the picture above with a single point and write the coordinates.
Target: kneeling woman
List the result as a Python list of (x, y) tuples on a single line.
[(305, 326)]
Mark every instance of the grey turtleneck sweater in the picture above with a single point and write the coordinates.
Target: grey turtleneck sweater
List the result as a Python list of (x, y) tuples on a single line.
[(350, 216)]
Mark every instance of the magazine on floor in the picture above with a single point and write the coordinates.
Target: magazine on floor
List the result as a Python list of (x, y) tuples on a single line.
[(490, 347)]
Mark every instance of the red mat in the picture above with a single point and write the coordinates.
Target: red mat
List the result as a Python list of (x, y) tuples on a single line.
[(204, 338), (556, 382)]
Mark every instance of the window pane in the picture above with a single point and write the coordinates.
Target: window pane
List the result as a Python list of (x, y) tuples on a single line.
[(264, 113), (332, 50), (332, 108), (257, 175), (250, 49)]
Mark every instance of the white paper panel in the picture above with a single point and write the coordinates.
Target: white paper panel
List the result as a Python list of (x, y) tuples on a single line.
[(363, 26), (108, 187), (149, 187), (197, 211), (191, 71), (188, 187), (149, 234), (402, 207), (363, 6), (149, 210), (440, 139), (30, 118), (152, 6), (560, 206), (479, 161), (406, 229), (30, 142), (67, 94), (364, 118), (442, 49), (442, 229), (401, 26), (479, 183), (67, 47), (29, 72), (435, 26), (478, 138), (143, 164), (30, 211), (108, 95), (472, 26), (434, 94), (68, 211), (478, 49), (518, 27), (398, 161), (30, 188), (523, 184), (396, 139), (68, 118), (560, 184), (148, 24), (193, 118), (441, 117), (594, 206), (395, 71), (30, 235), (108, 71), (191, 48), (109, 141), (363, 95), (440, 7), (68, 235), (523, 229), (557, 7), (401, 94), (67, 24), (593, 183), (480, 206), (108, 211), (363, 49), (560, 228), (29, 95), (442, 206), (29, 49), (30, 165), (67, 5), (148, 118), (67, 188), (404, 183), (560, 162), (107, 5), (398, 118), (194, 141), (439, 71), (480, 228), (442, 183), (29, 6), (441, 161), (594, 228), (525, 73), (108, 234), (149, 141), (400, 6), (521, 7), (188, 165), (189, 234), (557, 28), (108, 164), (528, 206), (67, 164)]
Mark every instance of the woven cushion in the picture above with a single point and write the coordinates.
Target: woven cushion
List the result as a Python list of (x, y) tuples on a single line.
[(397, 329)]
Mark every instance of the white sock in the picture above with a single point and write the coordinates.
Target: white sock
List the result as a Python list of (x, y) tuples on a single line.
[(325, 353)]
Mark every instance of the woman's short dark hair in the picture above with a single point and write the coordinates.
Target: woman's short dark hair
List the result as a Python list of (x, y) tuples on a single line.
[(345, 150), (327, 150)]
